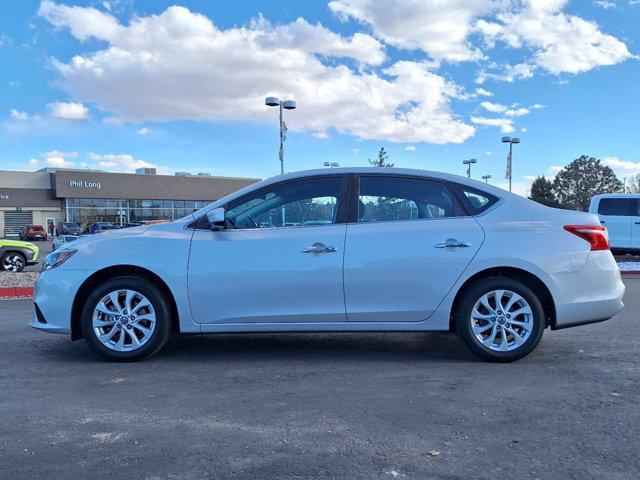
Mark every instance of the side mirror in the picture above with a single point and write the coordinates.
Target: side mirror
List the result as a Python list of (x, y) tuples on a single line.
[(216, 218)]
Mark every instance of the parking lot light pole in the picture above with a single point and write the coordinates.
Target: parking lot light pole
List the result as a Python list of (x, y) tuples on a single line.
[(486, 178), (469, 163), (287, 105), (510, 141)]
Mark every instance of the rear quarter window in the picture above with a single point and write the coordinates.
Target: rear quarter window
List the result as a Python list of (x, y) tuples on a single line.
[(475, 201)]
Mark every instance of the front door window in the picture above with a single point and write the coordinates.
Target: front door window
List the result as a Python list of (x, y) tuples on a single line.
[(289, 204)]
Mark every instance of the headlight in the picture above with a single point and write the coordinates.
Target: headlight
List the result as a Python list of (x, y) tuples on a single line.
[(55, 259)]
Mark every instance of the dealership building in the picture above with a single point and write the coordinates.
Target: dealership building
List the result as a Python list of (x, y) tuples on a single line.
[(86, 196)]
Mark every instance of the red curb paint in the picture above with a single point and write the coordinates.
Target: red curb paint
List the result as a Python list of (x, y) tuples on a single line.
[(24, 291), (8, 292)]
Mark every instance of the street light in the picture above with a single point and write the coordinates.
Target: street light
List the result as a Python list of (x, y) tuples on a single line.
[(287, 105), (486, 178), (510, 141), (469, 163), (331, 164)]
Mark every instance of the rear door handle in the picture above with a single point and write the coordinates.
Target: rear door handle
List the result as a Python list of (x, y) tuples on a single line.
[(452, 244), (319, 248)]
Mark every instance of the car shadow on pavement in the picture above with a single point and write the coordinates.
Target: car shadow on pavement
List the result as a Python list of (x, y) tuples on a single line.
[(405, 347), (320, 347)]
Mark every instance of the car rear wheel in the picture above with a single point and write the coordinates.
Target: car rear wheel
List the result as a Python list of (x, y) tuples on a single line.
[(500, 319), (13, 262), (126, 319)]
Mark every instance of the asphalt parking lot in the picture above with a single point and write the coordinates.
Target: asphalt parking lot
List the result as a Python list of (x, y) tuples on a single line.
[(366, 406)]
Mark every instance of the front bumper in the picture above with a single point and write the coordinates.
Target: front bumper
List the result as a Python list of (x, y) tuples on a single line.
[(590, 295), (53, 295)]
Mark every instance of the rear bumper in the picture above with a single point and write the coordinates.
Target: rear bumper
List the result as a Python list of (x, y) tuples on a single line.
[(590, 295)]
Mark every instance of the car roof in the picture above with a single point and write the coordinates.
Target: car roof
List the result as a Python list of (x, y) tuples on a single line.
[(616, 195), (388, 171)]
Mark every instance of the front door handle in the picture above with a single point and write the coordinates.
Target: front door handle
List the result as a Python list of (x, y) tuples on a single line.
[(452, 244), (319, 248)]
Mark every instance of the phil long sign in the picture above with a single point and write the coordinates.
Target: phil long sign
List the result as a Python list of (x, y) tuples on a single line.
[(4, 196), (84, 184)]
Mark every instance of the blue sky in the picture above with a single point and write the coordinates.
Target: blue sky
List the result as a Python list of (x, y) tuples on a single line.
[(180, 85)]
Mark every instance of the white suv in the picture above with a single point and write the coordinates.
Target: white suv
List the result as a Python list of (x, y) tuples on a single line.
[(620, 213)]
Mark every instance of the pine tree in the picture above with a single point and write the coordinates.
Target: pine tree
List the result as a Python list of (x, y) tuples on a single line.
[(542, 192), (582, 179), (383, 156)]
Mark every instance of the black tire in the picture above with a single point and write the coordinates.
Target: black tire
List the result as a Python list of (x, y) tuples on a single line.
[(158, 338), (22, 258), (465, 306)]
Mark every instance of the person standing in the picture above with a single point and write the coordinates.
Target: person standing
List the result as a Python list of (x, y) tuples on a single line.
[(52, 229)]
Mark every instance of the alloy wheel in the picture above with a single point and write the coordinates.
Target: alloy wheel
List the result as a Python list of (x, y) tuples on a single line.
[(501, 320), (124, 320), (13, 263)]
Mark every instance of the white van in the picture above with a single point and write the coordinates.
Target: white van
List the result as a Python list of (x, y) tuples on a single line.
[(620, 213)]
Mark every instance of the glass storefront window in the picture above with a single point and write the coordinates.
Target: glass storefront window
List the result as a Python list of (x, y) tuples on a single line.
[(120, 212)]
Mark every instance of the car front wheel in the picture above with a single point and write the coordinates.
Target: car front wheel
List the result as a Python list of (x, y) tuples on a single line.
[(13, 262), (126, 319), (500, 319)]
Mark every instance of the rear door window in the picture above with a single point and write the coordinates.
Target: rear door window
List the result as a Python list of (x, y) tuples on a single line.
[(623, 207), (391, 199)]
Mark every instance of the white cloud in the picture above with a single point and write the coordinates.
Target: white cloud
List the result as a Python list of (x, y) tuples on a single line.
[(301, 35), (142, 72), (356, 150), (483, 93), (605, 5), (506, 73), (68, 110), (488, 153), (438, 27), (19, 115), (531, 178), (538, 106), (58, 153), (143, 131), (561, 43), (622, 167), (54, 158), (123, 162), (493, 107), (59, 162), (517, 112), (505, 124), (410, 148), (557, 42), (554, 170)]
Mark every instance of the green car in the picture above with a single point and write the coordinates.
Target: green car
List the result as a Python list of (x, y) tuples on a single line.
[(15, 255)]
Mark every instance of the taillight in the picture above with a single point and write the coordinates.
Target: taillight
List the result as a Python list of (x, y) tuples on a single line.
[(31, 232), (596, 235)]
